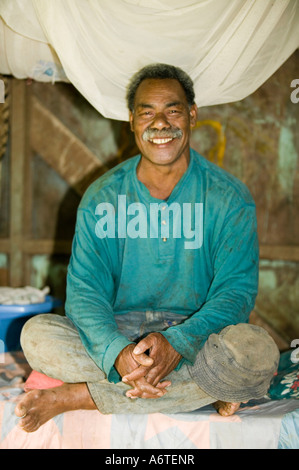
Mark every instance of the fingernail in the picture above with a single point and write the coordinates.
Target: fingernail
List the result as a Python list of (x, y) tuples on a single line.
[(136, 350)]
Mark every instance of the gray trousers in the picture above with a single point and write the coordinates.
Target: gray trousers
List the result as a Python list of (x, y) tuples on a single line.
[(52, 346)]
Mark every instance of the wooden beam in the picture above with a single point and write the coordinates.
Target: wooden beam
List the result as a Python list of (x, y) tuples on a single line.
[(5, 245), (61, 149), (18, 155), (32, 247), (280, 252)]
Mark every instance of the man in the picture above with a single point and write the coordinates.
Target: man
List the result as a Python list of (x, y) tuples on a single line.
[(165, 254)]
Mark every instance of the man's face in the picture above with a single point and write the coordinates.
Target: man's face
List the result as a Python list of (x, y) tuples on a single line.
[(162, 121)]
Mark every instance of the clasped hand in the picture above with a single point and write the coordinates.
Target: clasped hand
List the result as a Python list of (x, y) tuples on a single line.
[(143, 366)]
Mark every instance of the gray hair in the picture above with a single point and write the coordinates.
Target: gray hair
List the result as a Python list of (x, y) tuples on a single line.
[(160, 71)]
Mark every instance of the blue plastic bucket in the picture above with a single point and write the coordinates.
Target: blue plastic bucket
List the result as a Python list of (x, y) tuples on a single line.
[(13, 318)]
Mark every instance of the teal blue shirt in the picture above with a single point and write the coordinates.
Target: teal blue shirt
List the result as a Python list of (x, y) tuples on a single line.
[(195, 254)]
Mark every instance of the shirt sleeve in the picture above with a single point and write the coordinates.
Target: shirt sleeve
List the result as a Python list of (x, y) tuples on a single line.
[(232, 292), (90, 293)]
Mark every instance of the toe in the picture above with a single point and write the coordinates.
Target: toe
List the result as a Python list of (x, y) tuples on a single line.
[(226, 408), (28, 423), (20, 410), (230, 409)]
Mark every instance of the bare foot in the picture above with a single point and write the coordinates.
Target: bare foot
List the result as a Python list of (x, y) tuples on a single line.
[(225, 408), (36, 407)]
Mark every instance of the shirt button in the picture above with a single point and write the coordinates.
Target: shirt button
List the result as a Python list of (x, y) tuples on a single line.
[(164, 222), (164, 239), (163, 208)]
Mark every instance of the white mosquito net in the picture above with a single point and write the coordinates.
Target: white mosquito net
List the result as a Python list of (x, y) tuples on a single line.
[(228, 47)]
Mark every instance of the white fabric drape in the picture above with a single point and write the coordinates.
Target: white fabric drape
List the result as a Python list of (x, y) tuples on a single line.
[(229, 47)]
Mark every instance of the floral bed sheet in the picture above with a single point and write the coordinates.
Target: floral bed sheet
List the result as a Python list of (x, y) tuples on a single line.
[(270, 423)]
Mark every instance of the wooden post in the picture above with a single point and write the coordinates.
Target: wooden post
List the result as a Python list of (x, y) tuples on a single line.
[(18, 158)]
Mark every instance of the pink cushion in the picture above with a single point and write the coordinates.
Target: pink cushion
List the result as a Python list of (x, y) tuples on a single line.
[(37, 380)]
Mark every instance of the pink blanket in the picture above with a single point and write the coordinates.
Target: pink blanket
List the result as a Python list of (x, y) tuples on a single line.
[(257, 425)]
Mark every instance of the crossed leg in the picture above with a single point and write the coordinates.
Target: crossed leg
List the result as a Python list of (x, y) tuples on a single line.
[(38, 406), (90, 391)]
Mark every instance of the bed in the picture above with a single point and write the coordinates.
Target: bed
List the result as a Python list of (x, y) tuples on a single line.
[(270, 423)]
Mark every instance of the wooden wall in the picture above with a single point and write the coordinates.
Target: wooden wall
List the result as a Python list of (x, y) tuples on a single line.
[(54, 144)]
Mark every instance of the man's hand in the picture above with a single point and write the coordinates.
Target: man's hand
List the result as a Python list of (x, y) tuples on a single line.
[(165, 359), (126, 363)]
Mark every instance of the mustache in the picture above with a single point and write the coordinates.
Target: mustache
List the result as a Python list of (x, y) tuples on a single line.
[(169, 132)]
